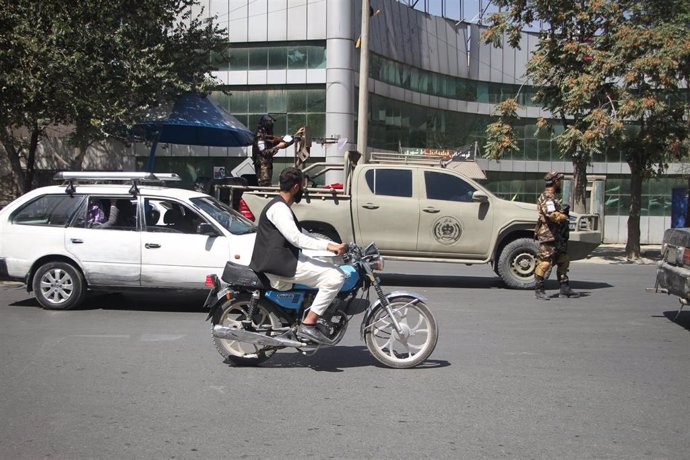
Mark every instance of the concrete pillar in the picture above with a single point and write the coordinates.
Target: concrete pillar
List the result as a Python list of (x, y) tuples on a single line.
[(340, 96)]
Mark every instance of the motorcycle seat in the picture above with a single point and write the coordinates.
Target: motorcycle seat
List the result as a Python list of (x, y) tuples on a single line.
[(243, 276)]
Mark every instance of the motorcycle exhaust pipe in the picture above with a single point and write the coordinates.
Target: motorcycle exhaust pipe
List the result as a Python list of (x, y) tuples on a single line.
[(229, 333)]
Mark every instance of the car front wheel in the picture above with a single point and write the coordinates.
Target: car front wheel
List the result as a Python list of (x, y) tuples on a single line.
[(58, 286), (517, 262)]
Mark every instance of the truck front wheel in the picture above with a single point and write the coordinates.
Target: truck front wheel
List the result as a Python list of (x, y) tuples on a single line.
[(517, 262)]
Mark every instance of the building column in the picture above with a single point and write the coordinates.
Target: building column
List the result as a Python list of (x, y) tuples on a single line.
[(340, 95)]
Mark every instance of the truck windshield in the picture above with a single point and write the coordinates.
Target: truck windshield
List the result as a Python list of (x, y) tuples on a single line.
[(233, 221)]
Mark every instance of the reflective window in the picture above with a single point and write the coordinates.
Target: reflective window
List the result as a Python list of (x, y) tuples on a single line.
[(447, 187), (316, 57), (296, 57), (51, 210), (299, 55), (258, 59), (237, 59), (107, 212), (169, 216), (230, 219), (277, 58), (390, 182), (292, 107), (436, 84)]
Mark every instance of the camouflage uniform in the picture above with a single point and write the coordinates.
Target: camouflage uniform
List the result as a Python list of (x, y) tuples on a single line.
[(265, 147), (264, 167), (552, 234), (263, 151)]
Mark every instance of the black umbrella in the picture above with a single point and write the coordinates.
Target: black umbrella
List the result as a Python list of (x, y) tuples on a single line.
[(193, 120)]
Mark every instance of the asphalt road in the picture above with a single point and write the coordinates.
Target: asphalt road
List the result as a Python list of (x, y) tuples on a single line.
[(603, 376)]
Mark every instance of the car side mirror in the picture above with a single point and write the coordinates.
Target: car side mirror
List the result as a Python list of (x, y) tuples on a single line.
[(480, 196), (206, 229)]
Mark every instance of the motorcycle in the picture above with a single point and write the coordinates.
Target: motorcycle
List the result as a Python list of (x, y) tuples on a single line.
[(251, 320)]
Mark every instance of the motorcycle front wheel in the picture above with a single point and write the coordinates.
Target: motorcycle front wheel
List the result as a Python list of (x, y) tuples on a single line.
[(409, 347), (232, 313)]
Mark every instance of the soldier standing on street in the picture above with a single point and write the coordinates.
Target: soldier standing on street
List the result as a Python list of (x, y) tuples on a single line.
[(552, 234), (265, 147)]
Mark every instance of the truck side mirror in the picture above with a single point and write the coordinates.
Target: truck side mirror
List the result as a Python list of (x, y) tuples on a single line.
[(480, 196)]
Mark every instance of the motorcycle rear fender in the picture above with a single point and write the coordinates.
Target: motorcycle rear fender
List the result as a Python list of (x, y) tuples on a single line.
[(391, 297), (219, 296)]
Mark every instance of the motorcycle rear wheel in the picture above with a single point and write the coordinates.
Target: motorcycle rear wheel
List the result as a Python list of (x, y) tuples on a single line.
[(231, 315), (413, 345)]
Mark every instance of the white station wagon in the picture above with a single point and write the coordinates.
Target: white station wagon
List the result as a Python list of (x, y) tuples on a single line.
[(93, 234)]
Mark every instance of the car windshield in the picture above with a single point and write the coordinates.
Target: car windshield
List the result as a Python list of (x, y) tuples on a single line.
[(233, 221)]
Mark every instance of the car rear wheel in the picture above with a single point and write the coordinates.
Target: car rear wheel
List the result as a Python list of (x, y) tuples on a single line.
[(58, 286)]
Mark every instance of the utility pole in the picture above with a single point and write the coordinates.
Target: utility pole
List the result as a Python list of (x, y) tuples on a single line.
[(363, 109)]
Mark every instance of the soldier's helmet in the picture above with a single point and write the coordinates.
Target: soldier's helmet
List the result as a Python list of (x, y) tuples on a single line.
[(553, 176), (266, 124)]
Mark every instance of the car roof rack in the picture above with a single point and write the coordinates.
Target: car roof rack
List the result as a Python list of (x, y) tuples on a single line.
[(133, 177)]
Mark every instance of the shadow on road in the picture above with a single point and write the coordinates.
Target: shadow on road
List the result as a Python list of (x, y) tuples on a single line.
[(192, 302), (173, 301), (683, 318), (336, 359), (473, 282)]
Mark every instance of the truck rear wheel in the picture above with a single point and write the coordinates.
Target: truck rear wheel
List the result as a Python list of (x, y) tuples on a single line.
[(517, 262)]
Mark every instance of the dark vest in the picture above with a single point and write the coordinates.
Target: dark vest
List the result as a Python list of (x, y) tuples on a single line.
[(272, 252)]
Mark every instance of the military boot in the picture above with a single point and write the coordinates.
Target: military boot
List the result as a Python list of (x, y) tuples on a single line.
[(566, 292), (539, 288)]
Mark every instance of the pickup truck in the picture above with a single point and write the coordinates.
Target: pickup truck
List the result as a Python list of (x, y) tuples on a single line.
[(428, 213), (673, 270)]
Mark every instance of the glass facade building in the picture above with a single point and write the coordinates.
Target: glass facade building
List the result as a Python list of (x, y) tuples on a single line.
[(432, 83)]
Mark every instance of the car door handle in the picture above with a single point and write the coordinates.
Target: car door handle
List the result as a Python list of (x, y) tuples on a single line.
[(370, 206), (152, 245), (431, 210), (76, 240)]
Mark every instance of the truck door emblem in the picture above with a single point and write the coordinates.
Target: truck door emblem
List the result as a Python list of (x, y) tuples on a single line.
[(447, 230)]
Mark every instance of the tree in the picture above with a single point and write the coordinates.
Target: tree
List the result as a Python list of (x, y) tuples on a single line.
[(612, 71), (646, 52), (97, 66), (561, 68)]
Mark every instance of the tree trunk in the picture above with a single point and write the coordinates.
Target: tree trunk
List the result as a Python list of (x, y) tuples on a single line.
[(13, 156), (580, 185), (632, 246), (77, 163), (31, 158)]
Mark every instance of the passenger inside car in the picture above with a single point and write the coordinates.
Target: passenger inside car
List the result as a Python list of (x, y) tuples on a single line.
[(96, 214), (122, 215)]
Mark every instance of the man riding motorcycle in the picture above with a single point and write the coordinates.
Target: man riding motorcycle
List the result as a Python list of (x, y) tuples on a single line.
[(277, 253)]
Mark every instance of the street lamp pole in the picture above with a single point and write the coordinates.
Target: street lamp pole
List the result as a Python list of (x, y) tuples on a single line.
[(363, 109)]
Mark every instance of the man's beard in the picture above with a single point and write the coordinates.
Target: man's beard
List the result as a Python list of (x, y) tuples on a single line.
[(298, 196)]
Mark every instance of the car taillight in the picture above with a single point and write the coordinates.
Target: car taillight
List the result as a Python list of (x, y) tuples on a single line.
[(245, 211), (209, 280)]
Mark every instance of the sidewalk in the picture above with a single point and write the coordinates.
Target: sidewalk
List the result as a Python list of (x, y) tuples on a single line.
[(615, 254)]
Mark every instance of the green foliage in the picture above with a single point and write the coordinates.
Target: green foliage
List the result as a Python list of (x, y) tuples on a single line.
[(500, 136), (97, 65), (615, 72)]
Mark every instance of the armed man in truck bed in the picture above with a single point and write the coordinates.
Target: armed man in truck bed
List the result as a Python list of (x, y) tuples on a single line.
[(266, 146)]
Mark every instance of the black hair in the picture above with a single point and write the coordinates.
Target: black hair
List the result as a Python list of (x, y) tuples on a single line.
[(289, 177)]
